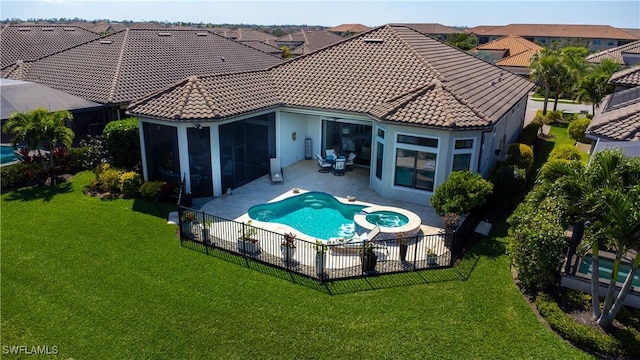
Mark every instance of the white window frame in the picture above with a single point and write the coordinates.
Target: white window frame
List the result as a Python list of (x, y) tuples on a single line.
[(471, 151), (405, 146)]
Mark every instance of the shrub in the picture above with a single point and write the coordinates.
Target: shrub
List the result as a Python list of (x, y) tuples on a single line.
[(96, 153), (77, 157), (122, 141), (130, 183), (520, 155), (577, 129), (564, 152), (508, 184), (462, 192), (102, 168), (529, 134), (554, 117), (580, 335), (109, 180), (13, 175), (536, 240), (152, 190)]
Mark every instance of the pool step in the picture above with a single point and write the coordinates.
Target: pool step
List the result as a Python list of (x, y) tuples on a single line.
[(314, 203)]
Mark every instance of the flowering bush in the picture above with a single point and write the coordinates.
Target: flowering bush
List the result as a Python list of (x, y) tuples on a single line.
[(450, 220), (289, 240), (188, 216)]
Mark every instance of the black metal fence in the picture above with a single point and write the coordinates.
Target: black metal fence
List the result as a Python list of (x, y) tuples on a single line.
[(322, 260)]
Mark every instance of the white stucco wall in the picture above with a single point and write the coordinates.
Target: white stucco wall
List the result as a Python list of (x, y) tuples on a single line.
[(305, 126)]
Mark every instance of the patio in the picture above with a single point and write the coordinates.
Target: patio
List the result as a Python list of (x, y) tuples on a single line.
[(304, 175)]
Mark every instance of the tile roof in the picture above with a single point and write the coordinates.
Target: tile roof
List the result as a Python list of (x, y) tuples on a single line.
[(244, 34), (634, 32), (391, 73), (557, 30), (30, 42), (262, 46), (518, 51), (306, 41), (616, 53), (350, 28), (431, 29), (130, 64), (619, 117), (628, 77)]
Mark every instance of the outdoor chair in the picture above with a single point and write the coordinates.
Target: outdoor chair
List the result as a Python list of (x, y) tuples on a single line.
[(349, 164), (339, 167), (325, 166), (275, 171), (330, 152)]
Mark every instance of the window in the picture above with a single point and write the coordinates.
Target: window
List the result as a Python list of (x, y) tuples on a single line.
[(462, 154), (379, 152), (416, 162), (611, 43), (596, 42)]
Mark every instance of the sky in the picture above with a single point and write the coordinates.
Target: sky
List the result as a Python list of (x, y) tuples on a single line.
[(620, 14)]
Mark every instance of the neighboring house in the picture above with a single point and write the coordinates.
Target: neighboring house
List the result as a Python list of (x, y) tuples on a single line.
[(347, 30), (628, 54), (22, 96), (242, 34), (129, 64), (306, 41), (596, 37), (410, 107), (438, 31), (31, 42), (618, 116), (512, 53), (262, 46)]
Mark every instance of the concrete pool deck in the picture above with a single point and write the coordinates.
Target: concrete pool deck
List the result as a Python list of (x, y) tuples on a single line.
[(305, 176)]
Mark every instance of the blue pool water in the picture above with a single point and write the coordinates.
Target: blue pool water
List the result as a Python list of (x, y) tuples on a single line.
[(606, 267), (316, 214), (387, 218), (7, 154)]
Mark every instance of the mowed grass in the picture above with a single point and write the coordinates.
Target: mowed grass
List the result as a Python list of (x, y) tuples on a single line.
[(108, 279)]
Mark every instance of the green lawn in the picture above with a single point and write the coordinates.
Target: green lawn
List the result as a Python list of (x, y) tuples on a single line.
[(107, 279)]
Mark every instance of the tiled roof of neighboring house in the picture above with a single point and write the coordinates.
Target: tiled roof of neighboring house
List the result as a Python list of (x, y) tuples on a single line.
[(479, 30), (634, 32), (306, 41), (432, 29), (145, 26), (244, 34), (619, 117), (19, 42), (518, 51), (615, 53), (392, 73), (628, 77), (349, 28), (130, 64), (560, 31), (22, 96), (262, 46)]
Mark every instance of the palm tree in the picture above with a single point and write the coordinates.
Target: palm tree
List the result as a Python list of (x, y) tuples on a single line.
[(594, 86), (544, 68), (39, 128), (607, 195)]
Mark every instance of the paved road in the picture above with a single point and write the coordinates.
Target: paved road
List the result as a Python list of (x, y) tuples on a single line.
[(533, 106)]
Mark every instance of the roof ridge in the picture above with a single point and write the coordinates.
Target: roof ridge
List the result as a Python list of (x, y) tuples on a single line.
[(116, 74), (205, 94), (304, 35), (424, 61), (392, 105)]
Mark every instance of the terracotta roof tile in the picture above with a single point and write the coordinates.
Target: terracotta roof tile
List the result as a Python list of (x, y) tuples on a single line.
[(392, 73), (431, 29), (616, 53), (628, 77), (517, 49), (619, 117), (31, 42), (306, 41), (130, 64), (560, 31), (351, 28)]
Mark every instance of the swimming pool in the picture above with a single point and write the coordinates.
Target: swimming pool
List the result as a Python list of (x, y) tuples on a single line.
[(7, 154), (606, 267), (316, 214)]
